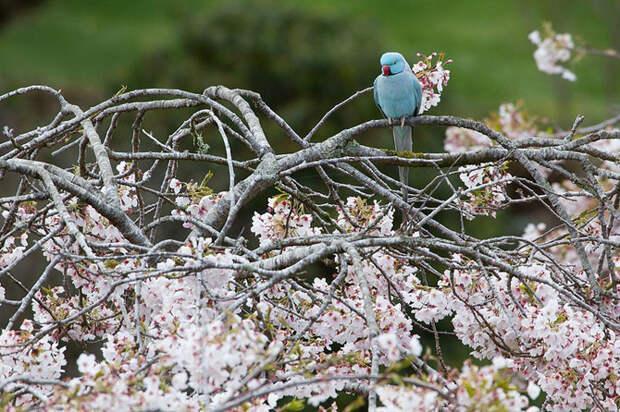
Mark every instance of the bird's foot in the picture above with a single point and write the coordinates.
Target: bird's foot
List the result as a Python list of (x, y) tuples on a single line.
[(402, 121), (390, 121)]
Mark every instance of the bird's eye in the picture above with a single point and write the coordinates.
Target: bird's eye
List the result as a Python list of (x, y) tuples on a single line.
[(394, 62)]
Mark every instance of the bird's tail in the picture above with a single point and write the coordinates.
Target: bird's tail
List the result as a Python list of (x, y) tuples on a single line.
[(403, 141)]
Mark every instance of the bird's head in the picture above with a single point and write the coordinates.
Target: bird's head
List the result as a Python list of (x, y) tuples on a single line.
[(392, 63)]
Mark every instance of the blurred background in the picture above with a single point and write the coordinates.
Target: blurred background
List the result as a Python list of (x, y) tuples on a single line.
[(304, 57), (286, 50)]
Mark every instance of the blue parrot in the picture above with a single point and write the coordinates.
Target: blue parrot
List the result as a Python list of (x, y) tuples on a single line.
[(398, 94)]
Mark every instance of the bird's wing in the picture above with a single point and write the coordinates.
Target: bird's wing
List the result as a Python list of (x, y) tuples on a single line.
[(376, 96), (417, 89)]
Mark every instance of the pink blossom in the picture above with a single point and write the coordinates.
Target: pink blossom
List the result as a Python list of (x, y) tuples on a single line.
[(433, 78), (552, 51)]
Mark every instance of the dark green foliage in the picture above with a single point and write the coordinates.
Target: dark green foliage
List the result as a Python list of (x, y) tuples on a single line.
[(301, 62)]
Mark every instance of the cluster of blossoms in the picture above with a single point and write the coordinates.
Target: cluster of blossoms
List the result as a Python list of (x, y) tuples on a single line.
[(358, 214), (123, 380), (584, 211), (282, 220), (510, 119), (513, 123), (338, 324), (10, 253), (41, 360), (563, 349), (59, 303), (552, 51), (485, 189), (494, 392), (459, 139), (185, 335), (433, 77), (193, 200)]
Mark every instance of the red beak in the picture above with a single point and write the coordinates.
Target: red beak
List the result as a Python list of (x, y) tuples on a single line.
[(386, 70)]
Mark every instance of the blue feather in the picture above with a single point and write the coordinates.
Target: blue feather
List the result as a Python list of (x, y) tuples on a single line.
[(398, 94)]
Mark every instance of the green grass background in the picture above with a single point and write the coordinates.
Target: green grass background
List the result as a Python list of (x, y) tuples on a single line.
[(73, 44)]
